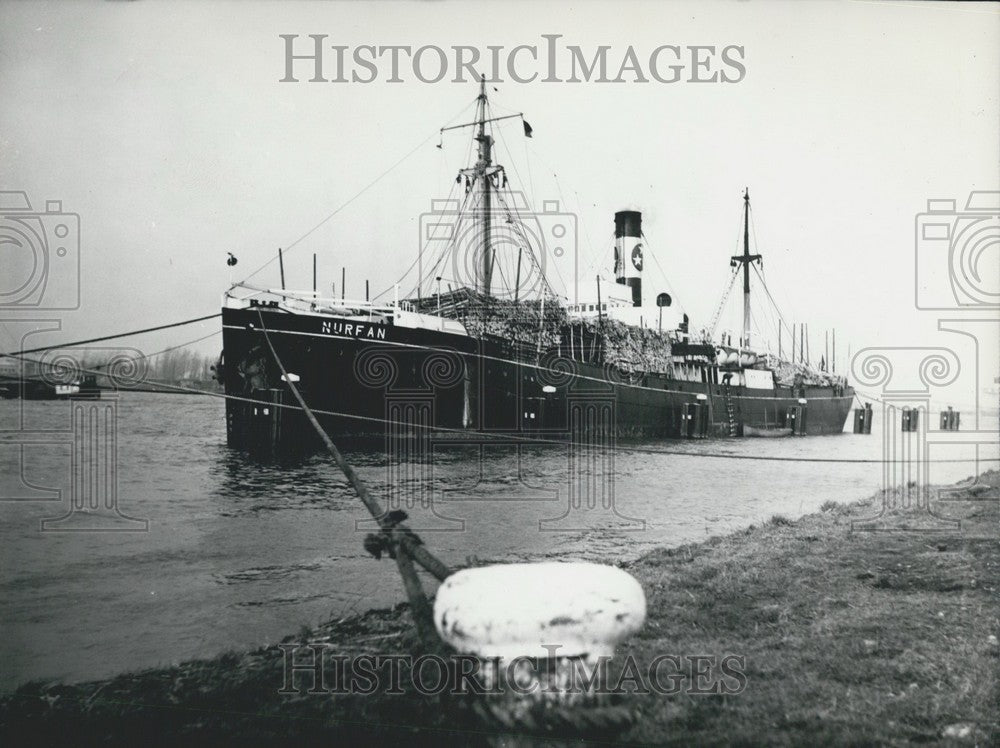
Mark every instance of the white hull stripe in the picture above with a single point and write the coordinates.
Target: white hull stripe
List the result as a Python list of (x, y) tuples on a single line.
[(515, 363)]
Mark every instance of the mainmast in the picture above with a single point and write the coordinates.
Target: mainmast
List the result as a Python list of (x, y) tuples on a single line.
[(482, 176), (745, 259)]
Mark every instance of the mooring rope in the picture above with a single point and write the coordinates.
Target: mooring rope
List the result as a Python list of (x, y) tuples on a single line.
[(505, 437), (404, 546), (130, 333), (405, 539)]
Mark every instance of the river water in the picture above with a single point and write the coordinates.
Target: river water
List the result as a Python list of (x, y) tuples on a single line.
[(237, 554)]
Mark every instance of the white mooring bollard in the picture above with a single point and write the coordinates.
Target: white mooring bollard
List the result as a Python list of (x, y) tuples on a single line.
[(540, 630)]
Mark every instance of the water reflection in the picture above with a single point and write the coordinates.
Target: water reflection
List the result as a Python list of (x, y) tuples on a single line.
[(242, 484)]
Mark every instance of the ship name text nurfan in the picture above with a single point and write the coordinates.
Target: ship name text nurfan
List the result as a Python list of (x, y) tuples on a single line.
[(356, 329)]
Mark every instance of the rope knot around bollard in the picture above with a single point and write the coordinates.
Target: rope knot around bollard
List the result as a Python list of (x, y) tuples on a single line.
[(386, 540)]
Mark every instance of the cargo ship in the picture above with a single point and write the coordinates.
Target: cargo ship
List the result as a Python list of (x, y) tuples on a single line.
[(499, 351)]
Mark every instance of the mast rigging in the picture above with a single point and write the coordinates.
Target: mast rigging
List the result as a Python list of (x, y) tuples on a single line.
[(746, 259), (482, 173)]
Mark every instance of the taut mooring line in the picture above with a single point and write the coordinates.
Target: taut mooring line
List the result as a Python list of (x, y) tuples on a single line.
[(75, 343), (408, 547), (170, 388)]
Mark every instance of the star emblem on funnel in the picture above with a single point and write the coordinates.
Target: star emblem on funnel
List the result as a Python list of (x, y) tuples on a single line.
[(637, 257)]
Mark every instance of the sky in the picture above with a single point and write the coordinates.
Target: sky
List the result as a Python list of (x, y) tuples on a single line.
[(165, 126)]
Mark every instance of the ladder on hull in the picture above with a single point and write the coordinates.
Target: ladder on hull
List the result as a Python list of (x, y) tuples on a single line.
[(730, 411)]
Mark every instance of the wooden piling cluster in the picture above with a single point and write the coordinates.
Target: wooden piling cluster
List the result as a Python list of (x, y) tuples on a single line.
[(695, 421), (863, 419), (950, 419), (267, 421), (795, 419)]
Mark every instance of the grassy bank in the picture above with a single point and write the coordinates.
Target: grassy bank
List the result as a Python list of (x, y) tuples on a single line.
[(848, 636)]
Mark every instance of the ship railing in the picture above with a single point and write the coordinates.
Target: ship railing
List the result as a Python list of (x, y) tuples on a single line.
[(310, 301)]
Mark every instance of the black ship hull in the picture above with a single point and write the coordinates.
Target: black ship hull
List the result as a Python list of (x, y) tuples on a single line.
[(367, 378)]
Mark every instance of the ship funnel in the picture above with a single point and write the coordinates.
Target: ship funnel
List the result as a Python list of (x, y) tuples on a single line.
[(628, 252)]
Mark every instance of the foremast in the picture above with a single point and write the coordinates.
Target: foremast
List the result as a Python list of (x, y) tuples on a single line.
[(480, 177)]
